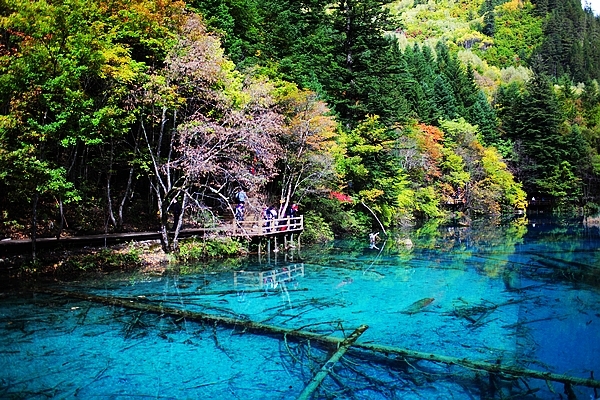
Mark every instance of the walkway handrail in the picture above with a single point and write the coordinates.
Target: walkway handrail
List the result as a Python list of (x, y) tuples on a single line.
[(253, 228), (268, 227)]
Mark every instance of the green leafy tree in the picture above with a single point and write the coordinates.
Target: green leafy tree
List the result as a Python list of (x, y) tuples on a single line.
[(517, 34), (489, 187), (372, 169), (306, 164), (562, 184), (63, 88)]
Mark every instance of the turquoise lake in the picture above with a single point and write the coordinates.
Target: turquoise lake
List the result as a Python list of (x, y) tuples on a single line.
[(521, 294)]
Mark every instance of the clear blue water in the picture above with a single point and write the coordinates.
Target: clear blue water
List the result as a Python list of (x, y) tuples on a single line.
[(525, 293)]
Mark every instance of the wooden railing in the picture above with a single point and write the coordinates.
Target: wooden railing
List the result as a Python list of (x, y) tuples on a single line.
[(262, 227)]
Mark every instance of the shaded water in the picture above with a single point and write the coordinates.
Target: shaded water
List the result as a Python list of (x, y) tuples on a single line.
[(523, 294)]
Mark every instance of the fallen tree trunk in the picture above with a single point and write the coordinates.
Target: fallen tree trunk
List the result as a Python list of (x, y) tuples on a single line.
[(195, 316), (506, 370), (326, 368), (200, 293)]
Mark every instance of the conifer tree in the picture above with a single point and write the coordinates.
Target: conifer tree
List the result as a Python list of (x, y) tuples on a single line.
[(445, 102), (420, 90), (483, 115), (359, 26), (382, 87), (239, 23), (489, 19), (541, 146)]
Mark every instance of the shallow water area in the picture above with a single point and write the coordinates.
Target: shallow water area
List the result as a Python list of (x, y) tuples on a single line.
[(523, 294)]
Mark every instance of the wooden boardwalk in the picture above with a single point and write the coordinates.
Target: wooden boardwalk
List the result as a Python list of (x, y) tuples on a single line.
[(242, 229)]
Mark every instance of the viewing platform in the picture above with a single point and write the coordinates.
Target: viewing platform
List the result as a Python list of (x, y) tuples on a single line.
[(261, 227)]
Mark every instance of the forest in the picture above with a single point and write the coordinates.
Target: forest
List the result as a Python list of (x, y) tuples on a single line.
[(410, 110)]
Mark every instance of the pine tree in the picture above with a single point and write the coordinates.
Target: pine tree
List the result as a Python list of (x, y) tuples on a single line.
[(537, 129), (489, 18), (359, 27), (483, 115), (419, 90), (444, 99), (385, 84), (239, 21)]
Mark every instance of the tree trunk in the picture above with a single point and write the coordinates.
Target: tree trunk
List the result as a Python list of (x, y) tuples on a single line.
[(328, 366), (109, 202), (61, 225), (164, 229), (36, 197), (124, 199), (179, 224)]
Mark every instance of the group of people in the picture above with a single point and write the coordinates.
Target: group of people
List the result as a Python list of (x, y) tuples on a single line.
[(269, 213)]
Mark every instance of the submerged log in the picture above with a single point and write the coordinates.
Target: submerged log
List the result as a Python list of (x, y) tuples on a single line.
[(481, 310), (417, 306), (328, 366), (201, 293), (506, 370), (146, 306)]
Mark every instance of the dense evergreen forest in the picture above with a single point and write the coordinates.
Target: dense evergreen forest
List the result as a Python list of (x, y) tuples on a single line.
[(404, 110)]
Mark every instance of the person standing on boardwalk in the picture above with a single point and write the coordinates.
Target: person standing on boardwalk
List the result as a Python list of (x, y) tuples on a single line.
[(291, 213), (239, 212), (269, 214), (240, 207), (242, 197)]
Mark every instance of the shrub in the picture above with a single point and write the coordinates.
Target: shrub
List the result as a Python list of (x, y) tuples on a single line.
[(201, 249), (103, 260), (316, 230)]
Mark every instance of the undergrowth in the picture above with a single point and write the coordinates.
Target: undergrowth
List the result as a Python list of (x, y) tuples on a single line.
[(202, 249)]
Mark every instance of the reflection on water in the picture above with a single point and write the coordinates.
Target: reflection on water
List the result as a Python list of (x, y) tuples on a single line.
[(271, 279), (523, 294)]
